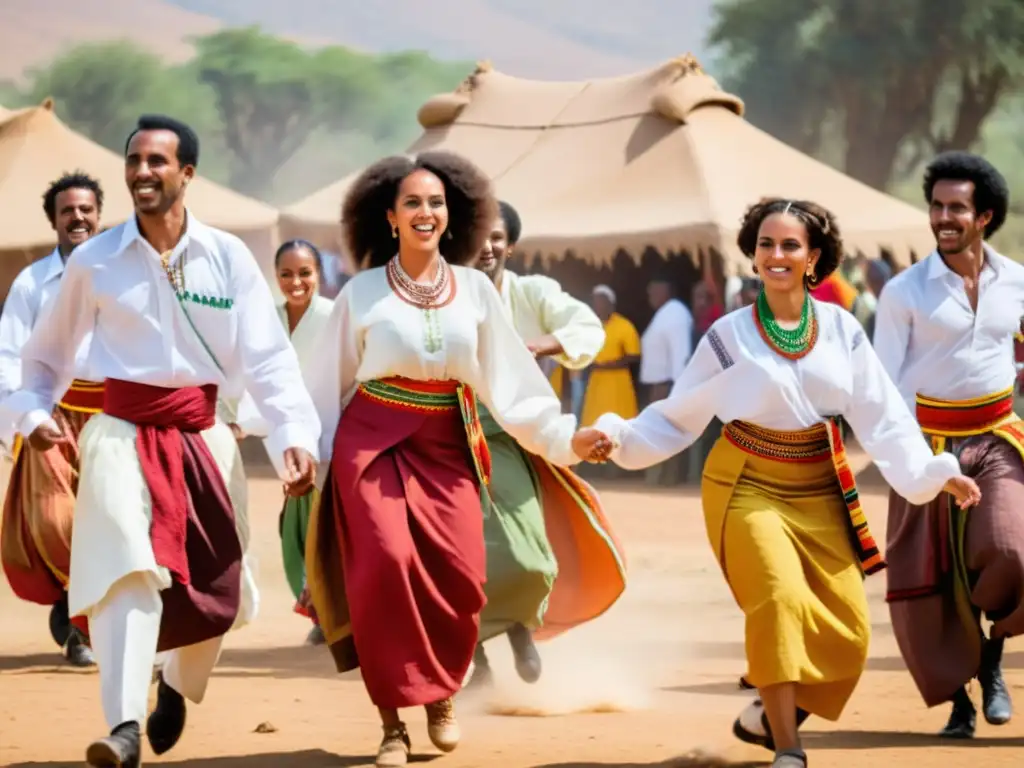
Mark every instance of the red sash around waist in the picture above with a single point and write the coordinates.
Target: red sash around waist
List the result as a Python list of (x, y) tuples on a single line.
[(436, 396), (964, 418), (161, 415)]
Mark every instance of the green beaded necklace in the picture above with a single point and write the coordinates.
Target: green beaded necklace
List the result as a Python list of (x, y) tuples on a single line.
[(791, 344)]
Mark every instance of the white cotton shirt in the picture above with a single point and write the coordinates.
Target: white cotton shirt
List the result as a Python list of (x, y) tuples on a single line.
[(306, 341), (115, 289), (30, 295), (735, 375), (374, 334), (667, 343), (932, 343), (538, 306)]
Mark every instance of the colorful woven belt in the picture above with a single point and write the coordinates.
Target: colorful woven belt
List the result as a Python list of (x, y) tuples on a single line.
[(436, 397)]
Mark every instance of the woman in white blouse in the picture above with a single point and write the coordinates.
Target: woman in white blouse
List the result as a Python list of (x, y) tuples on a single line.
[(395, 558), (780, 503), (304, 313)]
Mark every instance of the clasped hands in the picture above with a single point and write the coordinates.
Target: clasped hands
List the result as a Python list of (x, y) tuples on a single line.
[(592, 445)]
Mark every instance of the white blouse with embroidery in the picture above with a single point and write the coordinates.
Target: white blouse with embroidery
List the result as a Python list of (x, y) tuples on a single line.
[(374, 334), (736, 376)]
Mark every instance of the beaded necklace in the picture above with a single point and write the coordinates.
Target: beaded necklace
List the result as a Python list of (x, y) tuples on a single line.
[(422, 295), (429, 297), (175, 274), (791, 344)]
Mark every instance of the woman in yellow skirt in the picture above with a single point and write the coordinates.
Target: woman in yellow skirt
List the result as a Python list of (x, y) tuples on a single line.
[(780, 503)]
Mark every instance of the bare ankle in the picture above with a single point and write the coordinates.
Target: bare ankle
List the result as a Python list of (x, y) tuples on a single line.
[(389, 717)]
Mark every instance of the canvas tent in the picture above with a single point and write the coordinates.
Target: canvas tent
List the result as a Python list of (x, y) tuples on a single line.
[(660, 159), (36, 148)]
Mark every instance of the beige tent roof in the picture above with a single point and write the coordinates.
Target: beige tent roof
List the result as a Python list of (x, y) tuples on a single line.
[(662, 158), (36, 148)]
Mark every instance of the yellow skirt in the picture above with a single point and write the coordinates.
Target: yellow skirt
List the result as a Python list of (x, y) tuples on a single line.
[(609, 391), (779, 531)]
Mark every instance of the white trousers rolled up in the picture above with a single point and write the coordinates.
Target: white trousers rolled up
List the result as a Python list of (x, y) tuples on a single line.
[(124, 629), (115, 580)]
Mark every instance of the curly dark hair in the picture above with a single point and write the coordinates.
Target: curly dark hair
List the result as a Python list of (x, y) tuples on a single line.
[(991, 192), (472, 207), (822, 230), (76, 180)]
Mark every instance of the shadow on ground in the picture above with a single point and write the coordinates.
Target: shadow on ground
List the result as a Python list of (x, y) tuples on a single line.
[(313, 758)]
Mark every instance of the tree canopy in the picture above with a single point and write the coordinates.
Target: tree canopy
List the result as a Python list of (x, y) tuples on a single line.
[(262, 105)]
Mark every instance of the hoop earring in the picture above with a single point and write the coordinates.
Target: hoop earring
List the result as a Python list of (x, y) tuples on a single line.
[(812, 281)]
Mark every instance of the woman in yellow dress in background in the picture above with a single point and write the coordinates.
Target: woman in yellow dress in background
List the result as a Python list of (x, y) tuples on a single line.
[(610, 386)]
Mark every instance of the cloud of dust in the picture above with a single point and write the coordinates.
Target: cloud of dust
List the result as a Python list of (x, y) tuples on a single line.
[(577, 678), (615, 663)]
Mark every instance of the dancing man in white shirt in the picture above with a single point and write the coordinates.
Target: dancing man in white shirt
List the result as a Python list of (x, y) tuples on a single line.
[(531, 520), (944, 331), (666, 346), (177, 310), (35, 536)]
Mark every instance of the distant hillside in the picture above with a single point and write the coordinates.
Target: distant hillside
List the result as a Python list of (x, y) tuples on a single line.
[(568, 39), (33, 32), (565, 40)]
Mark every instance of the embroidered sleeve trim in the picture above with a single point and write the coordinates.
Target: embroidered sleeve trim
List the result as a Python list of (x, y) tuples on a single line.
[(718, 347)]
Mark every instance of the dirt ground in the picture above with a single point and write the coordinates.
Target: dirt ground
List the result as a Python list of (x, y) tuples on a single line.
[(650, 681)]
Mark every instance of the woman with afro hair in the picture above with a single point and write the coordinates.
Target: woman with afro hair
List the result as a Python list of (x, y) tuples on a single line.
[(780, 504), (395, 550)]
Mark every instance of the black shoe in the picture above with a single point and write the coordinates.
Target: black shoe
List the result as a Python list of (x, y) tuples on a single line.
[(60, 621), (167, 722), (527, 659), (118, 750), (763, 739), (482, 675), (316, 636), (962, 720), (995, 696), (77, 652)]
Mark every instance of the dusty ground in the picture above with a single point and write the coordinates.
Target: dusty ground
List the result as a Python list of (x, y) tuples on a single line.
[(667, 658)]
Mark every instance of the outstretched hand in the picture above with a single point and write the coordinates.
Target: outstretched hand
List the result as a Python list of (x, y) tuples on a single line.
[(592, 445), (964, 490), (300, 471)]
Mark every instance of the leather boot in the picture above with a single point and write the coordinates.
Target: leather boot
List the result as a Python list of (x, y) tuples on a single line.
[(118, 750), (528, 663), (962, 720), (77, 651), (995, 696), (167, 721)]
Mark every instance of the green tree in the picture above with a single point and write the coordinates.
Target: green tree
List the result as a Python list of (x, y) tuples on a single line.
[(101, 89), (902, 79), (272, 95)]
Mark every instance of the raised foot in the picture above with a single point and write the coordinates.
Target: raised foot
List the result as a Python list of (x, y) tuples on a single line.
[(442, 726)]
